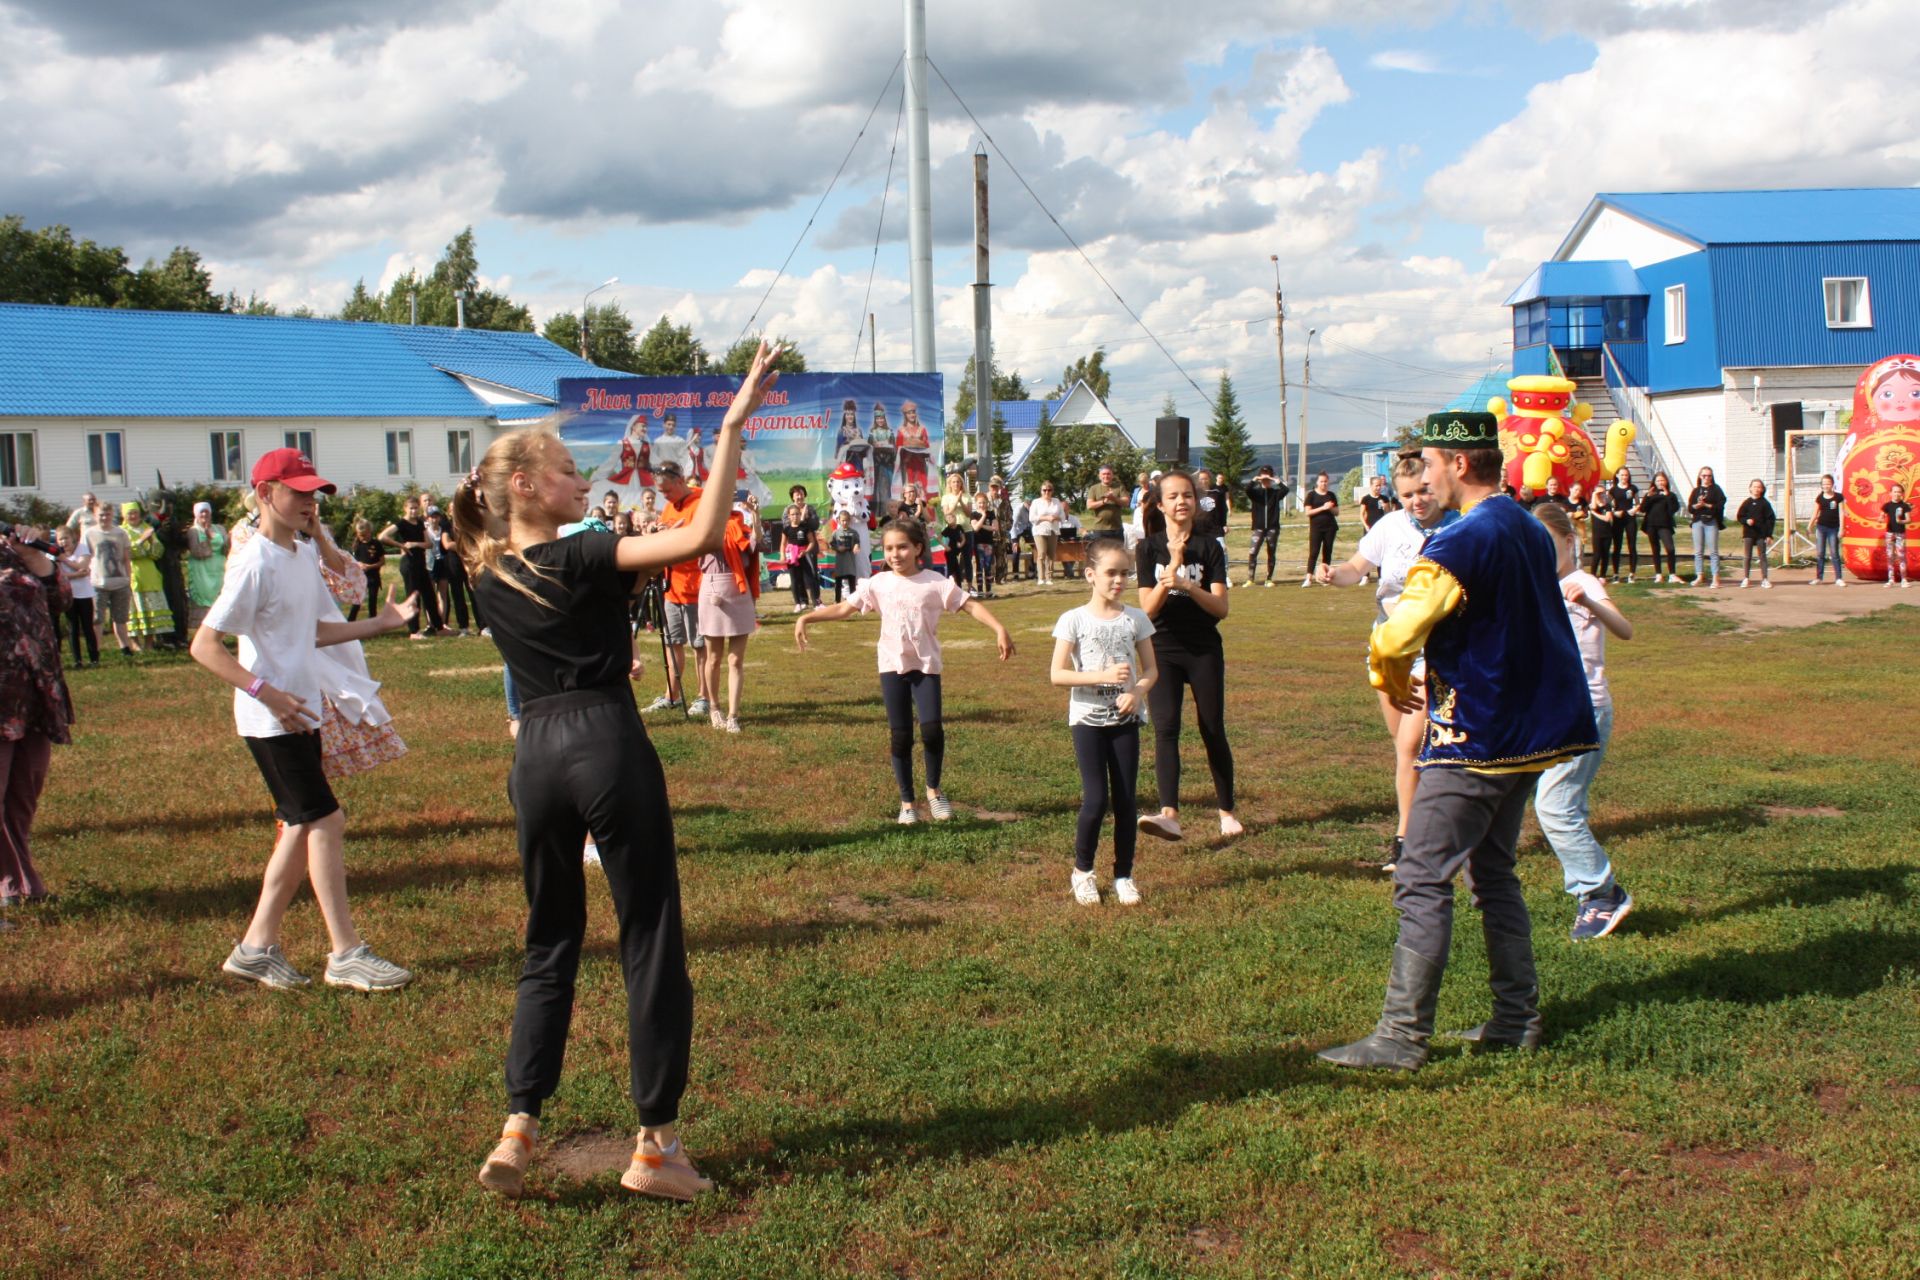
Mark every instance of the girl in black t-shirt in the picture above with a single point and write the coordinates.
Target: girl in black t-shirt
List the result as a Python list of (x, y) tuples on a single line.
[(583, 765), (1183, 588), (408, 536), (1826, 532), (1625, 497), (1658, 510), (1322, 506), (1897, 513), (1707, 508), (370, 555)]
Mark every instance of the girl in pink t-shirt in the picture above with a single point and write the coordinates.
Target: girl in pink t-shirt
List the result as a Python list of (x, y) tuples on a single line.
[(910, 601)]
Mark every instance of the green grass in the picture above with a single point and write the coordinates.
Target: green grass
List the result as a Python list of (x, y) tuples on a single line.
[(915, 1056)]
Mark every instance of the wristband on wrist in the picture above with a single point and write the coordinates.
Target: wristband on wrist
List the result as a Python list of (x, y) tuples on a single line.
[(259, 683)]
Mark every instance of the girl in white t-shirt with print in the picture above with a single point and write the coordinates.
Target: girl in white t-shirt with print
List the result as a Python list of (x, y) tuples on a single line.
[(1102, 654), (1560, 798), (910, 600)]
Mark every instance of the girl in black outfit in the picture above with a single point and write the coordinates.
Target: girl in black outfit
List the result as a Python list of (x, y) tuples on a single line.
[(1707, 507), (408, 536), (453, 570), (1658, 510), (1600, 530), (583, 765), (1756, 519), (370, 555), (1625, 496), (1183, 588), (800, 535), (1322, 506)]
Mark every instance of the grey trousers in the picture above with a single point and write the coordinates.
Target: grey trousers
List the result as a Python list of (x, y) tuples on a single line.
[(1461, 819)]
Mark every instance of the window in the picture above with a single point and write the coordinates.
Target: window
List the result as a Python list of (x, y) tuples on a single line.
[(459, 452), (1626, 320), (1530, 324), (106, 458), (301, 440), (18, 469), (227, 461), (399, 453), (1676, 314), (1847, 303)]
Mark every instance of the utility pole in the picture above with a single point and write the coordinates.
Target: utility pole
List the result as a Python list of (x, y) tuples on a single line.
[(919, 199), (982, 323), (873, 355), (1306, 403), (1280, 336), (608, 283)]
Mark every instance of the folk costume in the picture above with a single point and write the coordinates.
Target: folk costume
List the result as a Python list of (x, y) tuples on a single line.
[(1506, 698), (152, 619)]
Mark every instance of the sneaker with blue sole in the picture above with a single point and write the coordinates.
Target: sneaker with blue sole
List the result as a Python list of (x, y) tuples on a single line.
[(1600, 913)]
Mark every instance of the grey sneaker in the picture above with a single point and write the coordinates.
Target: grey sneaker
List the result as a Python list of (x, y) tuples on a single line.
[(267, 966), (939, 806), (698, 707), (661, 703), (364, 971)]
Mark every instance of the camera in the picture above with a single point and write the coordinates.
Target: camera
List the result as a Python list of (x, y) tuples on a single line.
[(38, 544)]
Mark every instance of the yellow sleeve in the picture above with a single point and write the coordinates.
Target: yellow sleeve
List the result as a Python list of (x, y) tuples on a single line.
[(1431, 594)]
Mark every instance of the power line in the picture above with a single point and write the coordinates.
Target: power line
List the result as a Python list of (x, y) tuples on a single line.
[(801, 238), (1012, 168), (879, 230)]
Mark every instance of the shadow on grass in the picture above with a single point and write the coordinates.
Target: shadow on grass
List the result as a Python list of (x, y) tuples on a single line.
[(771, 935), (174, 824), (22, 1008), (1802, 887), (235, 896), (1720, 818)]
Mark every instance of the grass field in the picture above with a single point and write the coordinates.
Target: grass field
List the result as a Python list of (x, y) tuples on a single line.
[(916, 1057)]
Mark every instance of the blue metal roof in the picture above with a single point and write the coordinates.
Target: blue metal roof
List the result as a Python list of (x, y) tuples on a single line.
[(1606, 279), (1474, 398), (1020, 415), (1774, 217), (91, 362)]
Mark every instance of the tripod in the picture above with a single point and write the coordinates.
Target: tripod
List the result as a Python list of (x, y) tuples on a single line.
[(652, 609)]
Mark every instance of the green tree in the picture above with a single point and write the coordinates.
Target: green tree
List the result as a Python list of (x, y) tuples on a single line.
[(1168, 409), (1006, 386), (669, 349), (1229, 448), (362, 303), (50, 267), (1001, 446), (609, 336), (457, 272), (1043, 460), (739, 357), (1083, 450), (1092, 369), (181, 283)]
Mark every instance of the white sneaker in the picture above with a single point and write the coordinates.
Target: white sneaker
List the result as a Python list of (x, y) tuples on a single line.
[(1161, 825), (698, 707), (799, 608), (364, 971), (1267, 583), (1629, 579), (1766, 584), (1889, 584), (1125, 892), (908, 815), (661, 703), (1696, 582), (1306, 582), (716, 718), (732, 725), (938, 805), (1743, 584), (1714, 585), (1086, 889), (1839, 582)]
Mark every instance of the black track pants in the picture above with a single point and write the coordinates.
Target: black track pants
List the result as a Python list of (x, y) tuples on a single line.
[(906, 694), (1109, 756), (1206, 674)]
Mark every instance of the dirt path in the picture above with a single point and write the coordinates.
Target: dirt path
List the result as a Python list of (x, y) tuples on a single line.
[(1795, 602)]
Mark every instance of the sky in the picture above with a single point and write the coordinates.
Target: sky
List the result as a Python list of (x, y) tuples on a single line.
[(1408, 161)]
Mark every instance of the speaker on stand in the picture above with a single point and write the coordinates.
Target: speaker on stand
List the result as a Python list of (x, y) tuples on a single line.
[(1170, 441)]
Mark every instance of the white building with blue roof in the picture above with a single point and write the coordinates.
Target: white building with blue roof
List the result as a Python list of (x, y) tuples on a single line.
[(102, 401), (1698, 312), (1080, 407)]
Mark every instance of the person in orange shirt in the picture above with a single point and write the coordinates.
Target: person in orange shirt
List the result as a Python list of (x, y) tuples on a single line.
[(683, 597)]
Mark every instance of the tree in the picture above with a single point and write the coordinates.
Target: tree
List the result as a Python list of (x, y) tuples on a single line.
[(181, 283), (1006, 386), (1092, 369), (1083, 450), (1229, 448), (457, 272), (609, 336), (669, 349), (1001, 446), (739, 357), (362, 303), (52, 268), (1168, 409), (1043, 460)]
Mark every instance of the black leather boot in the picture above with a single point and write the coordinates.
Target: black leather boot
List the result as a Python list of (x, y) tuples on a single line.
[(1399, 1040), (1515, 1023)]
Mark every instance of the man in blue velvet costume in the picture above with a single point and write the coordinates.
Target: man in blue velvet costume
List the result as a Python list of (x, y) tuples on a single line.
[(1505, 698)]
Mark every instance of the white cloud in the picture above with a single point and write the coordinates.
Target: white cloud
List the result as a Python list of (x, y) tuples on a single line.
[(1424, 64)]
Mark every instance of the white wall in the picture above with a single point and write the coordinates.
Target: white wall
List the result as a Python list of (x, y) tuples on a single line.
[(1696, 424), (346, 451), (1614, 235), (1749, 417)]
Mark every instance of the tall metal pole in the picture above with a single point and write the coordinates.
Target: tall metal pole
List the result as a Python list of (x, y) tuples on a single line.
[(1280, 336), (873, 353), (982, 323), (1306, 403), (919, 201)]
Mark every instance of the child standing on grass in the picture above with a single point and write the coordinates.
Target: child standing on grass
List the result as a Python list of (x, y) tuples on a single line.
[(1756, 518), (583, 765), (1897, 511), (1560, 797), (1102, 653), (910, 601), (275, 601)]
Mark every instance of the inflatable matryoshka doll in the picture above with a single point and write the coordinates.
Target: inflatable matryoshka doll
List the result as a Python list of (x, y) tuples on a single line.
[(1882, 451)]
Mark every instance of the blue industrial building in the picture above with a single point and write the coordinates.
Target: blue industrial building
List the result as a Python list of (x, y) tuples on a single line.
[(1697, 313)]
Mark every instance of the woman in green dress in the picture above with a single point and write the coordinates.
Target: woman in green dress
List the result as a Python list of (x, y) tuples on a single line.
[(151, 619), (206, 563)]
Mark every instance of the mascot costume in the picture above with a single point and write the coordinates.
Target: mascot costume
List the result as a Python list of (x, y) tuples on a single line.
[(847, 491), (1543, 436), (1882, 451)]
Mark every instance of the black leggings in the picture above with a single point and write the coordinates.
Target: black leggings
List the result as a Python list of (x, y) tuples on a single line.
[(1659, 540), (459, 591), (416, 580), (80, 623), (906, 694), (583, 764), (1206, 674), (374, 602), (805, 576), (1624, 535), (1269, 538), (1320, 535), (1109, 756)]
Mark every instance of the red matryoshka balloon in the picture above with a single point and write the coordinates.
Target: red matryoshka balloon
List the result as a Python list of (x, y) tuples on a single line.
[(1884, 450)]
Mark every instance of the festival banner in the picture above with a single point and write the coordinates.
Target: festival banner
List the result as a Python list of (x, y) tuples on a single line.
[(889, 425)]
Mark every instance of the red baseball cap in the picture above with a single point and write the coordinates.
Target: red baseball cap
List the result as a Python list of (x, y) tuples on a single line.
[(291, 468)]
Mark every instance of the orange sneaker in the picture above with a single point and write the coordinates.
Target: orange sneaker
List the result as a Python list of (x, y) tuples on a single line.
[(506, 1169), (668, 1174)]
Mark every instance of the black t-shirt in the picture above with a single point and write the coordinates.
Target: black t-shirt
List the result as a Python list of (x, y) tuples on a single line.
[(800, 534), (1896, 514), (1211, 519), (1756, 518), (1658, 508), (584, 642), (1321, 508), (1623, 496), (405, 531), (369, 553), (1263, 502), (1182, 623), (1827, 505), (1707, 504), (1372, 507)]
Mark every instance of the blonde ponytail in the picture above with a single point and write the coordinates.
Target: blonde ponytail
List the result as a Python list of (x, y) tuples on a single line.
[(483, 506)]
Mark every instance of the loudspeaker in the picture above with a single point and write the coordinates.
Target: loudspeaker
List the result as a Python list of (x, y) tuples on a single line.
[(1786, 417), (1170, 441)]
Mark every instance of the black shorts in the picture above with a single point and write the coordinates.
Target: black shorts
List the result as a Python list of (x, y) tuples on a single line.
[(290, 762)]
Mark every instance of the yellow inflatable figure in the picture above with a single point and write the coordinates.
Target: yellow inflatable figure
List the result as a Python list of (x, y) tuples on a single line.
[(1543, 436)]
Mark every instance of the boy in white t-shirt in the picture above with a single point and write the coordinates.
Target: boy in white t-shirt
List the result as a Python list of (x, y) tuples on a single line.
[(1560, 797), (75, 563), (276, 601)]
